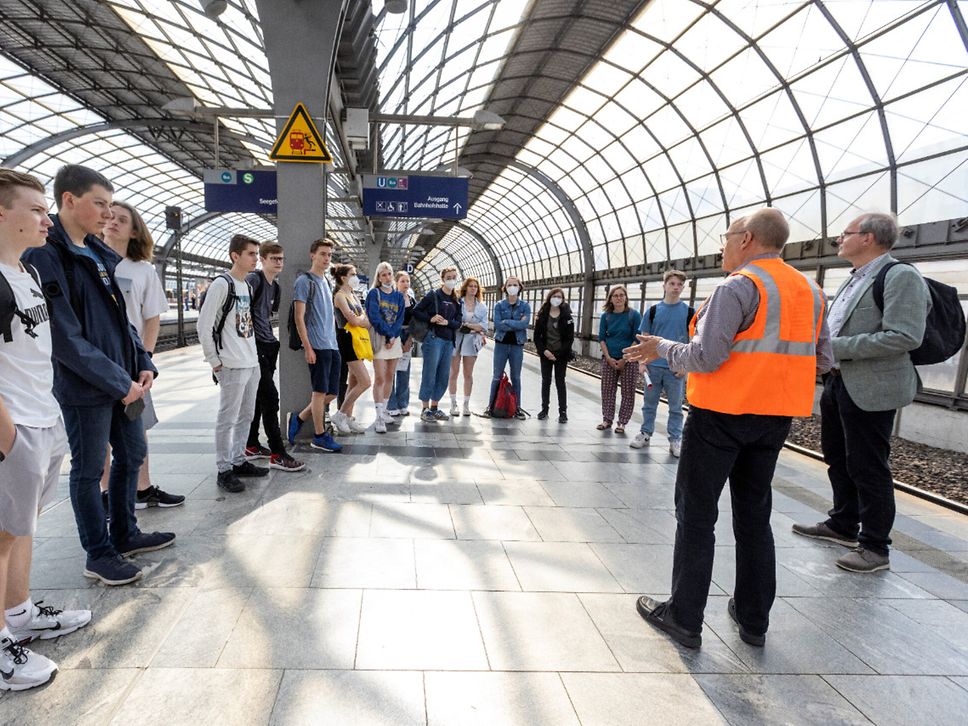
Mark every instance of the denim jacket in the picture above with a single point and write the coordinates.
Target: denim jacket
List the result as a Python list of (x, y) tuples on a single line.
[(509, 317)]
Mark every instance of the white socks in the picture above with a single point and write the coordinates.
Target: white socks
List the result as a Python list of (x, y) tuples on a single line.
[(20, 614)]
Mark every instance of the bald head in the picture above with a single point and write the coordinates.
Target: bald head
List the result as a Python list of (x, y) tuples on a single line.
[(768, 227)]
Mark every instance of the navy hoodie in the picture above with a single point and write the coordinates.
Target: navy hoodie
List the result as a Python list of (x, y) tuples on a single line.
[(96, 352)]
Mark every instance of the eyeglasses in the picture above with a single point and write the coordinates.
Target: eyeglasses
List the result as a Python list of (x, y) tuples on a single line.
[(848, 233), (276, 258), (723, 237)]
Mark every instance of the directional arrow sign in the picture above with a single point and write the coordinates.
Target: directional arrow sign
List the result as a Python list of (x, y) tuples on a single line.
[(436, 197)]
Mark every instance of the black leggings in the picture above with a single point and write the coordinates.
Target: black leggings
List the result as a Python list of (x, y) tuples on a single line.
[(559, 366)]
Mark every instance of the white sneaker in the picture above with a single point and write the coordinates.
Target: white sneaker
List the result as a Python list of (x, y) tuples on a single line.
[(48, 623), (355, 426), (380, 426), (21, 668), (640, 441), (467, 408), (341, 423), (387, 416), (675, 447), (454, 408), (394, 412)]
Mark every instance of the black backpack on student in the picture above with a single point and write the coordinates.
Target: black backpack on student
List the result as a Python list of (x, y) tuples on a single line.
[(227, 305), (689, 315), (295, 342), (9, 309), (944, 329)]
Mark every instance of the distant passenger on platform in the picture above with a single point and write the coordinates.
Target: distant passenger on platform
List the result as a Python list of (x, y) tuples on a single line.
[(512, 316), (871, 378), (616, 331), (145, 301), (228, 345), (313, 312), (554, 336), (349, 311), (468, 342), (32, 438), (265, 302), (399, 401), (385, 308), (758, 343), (441, 309), (101, 372), (668, 319)]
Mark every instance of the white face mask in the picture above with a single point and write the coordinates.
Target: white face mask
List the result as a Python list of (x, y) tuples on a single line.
[(450, 285), (386, 285), (512, 290), (556, 301), (353, 281)]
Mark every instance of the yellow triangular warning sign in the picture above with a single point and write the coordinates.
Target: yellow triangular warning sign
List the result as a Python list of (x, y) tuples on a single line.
[(300, 141)]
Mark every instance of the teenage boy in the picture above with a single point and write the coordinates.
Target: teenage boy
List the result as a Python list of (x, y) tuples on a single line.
[(265, 301), (313, 313), (101, 371), (32, 437), (668, 319), (228, 344)]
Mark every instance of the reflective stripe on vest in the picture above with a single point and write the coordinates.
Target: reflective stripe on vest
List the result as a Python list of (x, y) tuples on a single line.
[(771, 368)]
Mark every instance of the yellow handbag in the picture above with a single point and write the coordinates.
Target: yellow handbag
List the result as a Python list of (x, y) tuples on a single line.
[(361, 341)]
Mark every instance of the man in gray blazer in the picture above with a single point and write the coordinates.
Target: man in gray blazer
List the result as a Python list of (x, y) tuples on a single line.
[(872, 377)]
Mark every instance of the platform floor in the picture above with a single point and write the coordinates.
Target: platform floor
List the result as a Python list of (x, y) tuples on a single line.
[(481, 572)]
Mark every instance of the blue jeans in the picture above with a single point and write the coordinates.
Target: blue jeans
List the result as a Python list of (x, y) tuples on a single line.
[(504, 354), (437, 353), (89, 429), (400, 395), (663, 378)]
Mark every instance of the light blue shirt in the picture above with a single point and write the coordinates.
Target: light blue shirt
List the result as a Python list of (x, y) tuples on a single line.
[(320, 324), (671, 322)]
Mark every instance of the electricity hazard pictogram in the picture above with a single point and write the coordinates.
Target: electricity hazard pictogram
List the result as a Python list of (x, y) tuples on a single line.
[(300, 141)]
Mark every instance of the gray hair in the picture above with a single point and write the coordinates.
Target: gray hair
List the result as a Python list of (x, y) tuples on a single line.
[(768, 226), (882, 226)]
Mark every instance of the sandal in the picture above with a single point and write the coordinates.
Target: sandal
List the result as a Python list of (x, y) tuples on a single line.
[(603, 426), (620, 429)]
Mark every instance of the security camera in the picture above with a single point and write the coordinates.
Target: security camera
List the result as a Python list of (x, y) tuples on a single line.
[(213, 8), (396, 6)]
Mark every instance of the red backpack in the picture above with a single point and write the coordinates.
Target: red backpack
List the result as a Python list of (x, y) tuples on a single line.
[(506, 401)]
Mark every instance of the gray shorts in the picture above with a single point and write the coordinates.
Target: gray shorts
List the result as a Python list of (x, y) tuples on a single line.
[(148, 417), (28, 477)]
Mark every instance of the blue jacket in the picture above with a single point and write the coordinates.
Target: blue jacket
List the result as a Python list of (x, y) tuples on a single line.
[(96, 352), (508, 318)]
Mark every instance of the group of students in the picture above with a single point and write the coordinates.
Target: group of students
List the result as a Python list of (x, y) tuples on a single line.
[(80, 308)]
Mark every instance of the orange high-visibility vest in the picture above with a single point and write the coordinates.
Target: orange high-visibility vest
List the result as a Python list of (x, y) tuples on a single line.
[(772, 365)]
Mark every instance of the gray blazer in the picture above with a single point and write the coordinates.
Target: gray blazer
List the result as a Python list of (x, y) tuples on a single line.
[(872, 347)]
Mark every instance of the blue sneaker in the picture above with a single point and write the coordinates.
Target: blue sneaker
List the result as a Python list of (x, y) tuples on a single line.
[(326, 443), (111, 570), (294, 425), (145, 542)]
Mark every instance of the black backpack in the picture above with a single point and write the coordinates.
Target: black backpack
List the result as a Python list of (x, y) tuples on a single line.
[(9, 309), (944, 329), (230, 299), (689, 315), (295, 342)]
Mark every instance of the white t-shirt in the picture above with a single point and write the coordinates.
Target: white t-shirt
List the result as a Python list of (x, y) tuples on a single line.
[(26, 373), (238, 336), (144, 297)]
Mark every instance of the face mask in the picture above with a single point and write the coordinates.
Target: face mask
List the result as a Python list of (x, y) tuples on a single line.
[(450, 285), (512, 290), (353, 281), (556, 301), (387, 286)]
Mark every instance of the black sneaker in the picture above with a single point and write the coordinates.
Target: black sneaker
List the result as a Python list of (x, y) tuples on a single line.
[(562, 417), (746, 636), (657, 614), (228, 481), (111, 570), (155, 497), (486, 413), (542, 414), (145, 542), (104, 503), (248, 469)]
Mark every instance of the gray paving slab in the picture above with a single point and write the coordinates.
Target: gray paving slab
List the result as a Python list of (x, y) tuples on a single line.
[(492, 522), (485, 699), (82, 697), (201, 632), (463, 565), (514, 492), (412, 521), (571, 524), (348, 562), (581, 494), (642, 526), (559, 566), (903, 700)]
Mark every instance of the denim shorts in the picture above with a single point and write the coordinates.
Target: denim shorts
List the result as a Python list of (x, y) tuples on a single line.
[(324, 373)]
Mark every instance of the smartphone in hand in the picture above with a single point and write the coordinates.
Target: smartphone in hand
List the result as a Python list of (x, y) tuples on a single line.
[(134, 409)]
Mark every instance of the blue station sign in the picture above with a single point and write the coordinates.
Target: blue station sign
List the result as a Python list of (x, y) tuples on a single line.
[(241, 190), (440, 197)]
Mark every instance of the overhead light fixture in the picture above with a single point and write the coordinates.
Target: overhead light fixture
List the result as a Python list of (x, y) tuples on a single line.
[(181, 104), (487, 121), (213, 8), (396, 6)]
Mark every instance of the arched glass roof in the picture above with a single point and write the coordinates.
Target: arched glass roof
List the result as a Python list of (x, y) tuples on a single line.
[(635, 129)]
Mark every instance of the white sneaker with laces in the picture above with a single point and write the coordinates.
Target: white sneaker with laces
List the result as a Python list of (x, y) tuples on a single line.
[(22, 668), (640, 441), (675, 447), (48, 622), (386, 415), (341, 423), (355, 426), (393, 412), (454, 408), (467, 408)]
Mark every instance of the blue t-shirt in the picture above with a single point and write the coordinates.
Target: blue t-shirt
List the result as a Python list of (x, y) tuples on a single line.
[(319, 317), (618, 330), (671, 322), (105, 278)]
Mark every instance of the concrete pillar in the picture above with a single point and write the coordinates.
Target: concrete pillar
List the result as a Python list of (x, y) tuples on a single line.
[(300, 41)]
